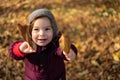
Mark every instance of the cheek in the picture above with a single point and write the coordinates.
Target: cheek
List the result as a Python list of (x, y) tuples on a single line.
[(51, 37), (33, 36), (51, 34)]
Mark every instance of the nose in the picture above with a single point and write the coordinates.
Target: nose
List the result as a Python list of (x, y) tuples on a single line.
[(41, 32)]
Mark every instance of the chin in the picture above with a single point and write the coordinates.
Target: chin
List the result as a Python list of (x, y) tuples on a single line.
[(42, 44)]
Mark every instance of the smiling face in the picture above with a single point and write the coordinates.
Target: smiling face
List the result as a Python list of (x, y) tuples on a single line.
[(42, 32)]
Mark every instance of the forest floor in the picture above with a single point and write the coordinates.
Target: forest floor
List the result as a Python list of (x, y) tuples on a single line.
[(93, 26)]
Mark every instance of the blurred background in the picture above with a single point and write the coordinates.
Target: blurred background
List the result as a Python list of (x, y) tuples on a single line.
[(92, 25)]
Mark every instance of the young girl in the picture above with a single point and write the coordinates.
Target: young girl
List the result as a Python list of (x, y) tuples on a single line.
[(46, 60)]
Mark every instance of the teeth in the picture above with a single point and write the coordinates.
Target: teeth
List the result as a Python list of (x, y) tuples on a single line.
[(42, 39)]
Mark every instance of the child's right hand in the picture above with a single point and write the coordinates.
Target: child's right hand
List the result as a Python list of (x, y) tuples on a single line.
[(25, 48)]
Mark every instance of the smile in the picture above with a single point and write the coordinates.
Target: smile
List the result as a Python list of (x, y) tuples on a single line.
[(42, 40)]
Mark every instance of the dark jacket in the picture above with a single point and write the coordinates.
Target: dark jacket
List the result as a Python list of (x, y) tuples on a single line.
[(46, 64)]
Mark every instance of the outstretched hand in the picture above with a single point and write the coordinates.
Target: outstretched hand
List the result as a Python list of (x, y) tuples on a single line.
[(25, 48), (65, 45), (70, 56)]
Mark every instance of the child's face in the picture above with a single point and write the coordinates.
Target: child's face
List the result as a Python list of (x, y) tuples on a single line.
[(42, 32)]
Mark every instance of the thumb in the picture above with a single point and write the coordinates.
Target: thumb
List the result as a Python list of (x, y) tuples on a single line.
[(66, 56), (25, 48)]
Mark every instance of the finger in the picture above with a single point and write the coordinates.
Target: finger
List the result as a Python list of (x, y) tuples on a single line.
[(67, 56), (23, 46), (32, 50), (72, 55)]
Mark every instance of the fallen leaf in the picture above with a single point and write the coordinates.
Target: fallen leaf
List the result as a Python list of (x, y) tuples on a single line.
[(64, 43)]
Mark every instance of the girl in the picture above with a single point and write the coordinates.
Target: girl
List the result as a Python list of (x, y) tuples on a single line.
[(46, 60)]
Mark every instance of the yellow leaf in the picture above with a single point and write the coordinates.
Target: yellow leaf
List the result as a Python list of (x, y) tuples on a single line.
[(25, 34), (77, 45), (64, 43), (116, 56), (94, 62)]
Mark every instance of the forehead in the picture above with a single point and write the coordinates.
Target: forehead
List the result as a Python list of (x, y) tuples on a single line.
[(42, 21)]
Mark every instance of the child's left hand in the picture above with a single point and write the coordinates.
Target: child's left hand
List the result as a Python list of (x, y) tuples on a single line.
[(70, 56), (65, 45)]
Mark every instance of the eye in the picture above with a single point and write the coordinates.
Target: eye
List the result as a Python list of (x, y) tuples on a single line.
[(47, 29), (35, 29)]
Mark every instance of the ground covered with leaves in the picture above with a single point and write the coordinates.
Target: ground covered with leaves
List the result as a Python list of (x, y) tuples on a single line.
[(92, 25)]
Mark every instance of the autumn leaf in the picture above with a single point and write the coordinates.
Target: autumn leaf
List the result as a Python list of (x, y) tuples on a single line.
[(64, 43), (22, 29), (116, 56), (25, 34)]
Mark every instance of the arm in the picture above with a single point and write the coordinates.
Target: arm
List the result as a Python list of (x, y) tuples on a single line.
[(19, 49), (14, 51)]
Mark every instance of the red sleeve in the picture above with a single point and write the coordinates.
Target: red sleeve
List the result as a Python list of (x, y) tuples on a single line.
[(16, 50)]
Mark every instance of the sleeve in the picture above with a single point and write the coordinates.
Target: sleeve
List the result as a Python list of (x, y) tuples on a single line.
[(74, 49), (60, 53), (14, 51)]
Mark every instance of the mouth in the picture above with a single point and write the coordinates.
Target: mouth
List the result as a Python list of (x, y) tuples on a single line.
[(42, 40)]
